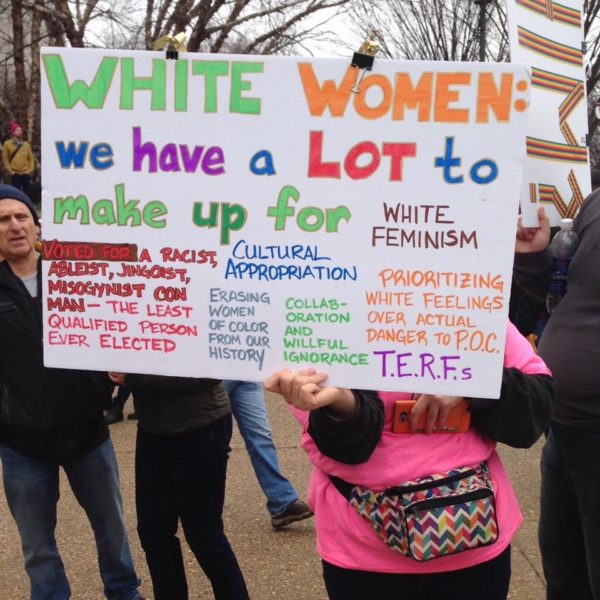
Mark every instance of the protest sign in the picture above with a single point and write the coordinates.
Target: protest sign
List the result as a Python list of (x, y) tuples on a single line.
[(225, 216), (548, 36)]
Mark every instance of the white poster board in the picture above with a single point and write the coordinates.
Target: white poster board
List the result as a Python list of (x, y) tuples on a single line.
[(226, 216), (548, 36)]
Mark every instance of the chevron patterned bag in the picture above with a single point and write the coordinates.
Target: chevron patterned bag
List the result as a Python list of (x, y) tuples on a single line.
[(434, 516)]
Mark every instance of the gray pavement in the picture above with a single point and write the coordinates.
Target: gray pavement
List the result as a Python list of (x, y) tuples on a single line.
[(276, 564)]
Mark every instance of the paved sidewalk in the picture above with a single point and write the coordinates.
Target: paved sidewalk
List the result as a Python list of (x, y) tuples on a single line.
[(277, 564)]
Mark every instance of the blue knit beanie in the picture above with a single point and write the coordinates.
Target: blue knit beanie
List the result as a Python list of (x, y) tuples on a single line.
[(8, 192)]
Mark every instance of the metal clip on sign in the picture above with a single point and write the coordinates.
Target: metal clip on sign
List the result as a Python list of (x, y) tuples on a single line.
[(173, 44), (363, 61)]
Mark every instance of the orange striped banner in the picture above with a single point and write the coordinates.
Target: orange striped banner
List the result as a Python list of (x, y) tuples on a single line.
[(555, 151), (547, 47), (577, 195), (550, 195), (566, 14), (552, 81), (553, 11), (567, 132), (533, 193), (570, 103)]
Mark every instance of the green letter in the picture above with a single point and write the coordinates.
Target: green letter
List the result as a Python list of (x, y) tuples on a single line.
[(152, 211), (237, 104), (282, 211), (103, 212), (127, 210), (233, 218), (71, 206), (66, 96), (156, 84), (181, 85), (210, 69)]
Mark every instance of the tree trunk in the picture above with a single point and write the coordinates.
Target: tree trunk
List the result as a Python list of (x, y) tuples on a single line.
[(33, 108), (19, 61)]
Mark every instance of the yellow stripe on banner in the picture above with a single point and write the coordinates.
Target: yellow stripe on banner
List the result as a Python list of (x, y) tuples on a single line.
[(577, 195), (556, 151), (552, 81), (550, 195), (568, 133), (547, 47), (533, 193), (550, 44), (553, 11), (566, 14), (576, 149), (569, 104), (537, 6)]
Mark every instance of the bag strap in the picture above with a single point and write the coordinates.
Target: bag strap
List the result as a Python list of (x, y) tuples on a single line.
[(343, 487), (14, 153)]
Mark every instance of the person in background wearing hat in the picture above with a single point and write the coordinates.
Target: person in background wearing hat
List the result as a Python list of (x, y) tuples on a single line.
[(51, 418), (18, 159)]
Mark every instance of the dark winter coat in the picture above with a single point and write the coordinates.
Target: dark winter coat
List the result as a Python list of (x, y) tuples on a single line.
[(45, 413)]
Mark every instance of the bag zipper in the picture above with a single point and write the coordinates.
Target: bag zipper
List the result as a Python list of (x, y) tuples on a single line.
[(403, 489), (449, 500)]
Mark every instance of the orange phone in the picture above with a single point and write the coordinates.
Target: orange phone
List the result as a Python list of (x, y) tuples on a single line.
[(459, 418)]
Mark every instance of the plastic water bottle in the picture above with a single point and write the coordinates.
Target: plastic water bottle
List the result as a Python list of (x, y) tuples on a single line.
[(562, 248)]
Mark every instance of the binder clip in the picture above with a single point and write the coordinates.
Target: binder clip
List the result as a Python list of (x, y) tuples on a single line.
[(363, 61), (173, 44)]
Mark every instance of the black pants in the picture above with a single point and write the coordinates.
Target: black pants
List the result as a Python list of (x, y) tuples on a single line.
[(569, 530), (183, 476), (122, 394), (487, 581), (22, 182)]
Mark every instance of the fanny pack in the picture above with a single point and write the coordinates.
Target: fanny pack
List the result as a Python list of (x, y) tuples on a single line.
[(437, 515)]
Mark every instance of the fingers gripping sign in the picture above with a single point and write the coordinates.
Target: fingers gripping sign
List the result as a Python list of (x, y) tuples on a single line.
[(533, 239), (117, 378), (303, 390)]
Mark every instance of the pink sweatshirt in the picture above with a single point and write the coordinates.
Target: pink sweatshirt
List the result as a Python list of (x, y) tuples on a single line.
[(346, 540)]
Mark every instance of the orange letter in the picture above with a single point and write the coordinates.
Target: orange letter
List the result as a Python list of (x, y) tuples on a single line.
[(444, 96), (488, 97), (413, 97), (327, 95), (373, 112)]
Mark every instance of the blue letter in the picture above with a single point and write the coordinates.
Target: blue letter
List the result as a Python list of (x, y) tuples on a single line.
[(447, 162), (70, 156), (268, 168)]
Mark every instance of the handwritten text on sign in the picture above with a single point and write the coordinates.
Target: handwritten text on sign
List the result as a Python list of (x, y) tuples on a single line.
[(229, 216)]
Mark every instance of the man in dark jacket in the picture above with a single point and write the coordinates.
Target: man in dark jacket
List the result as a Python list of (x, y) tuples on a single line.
[(51, 418), (569, 527)]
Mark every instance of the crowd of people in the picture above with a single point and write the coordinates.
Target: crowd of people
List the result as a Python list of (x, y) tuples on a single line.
[(412, 516)]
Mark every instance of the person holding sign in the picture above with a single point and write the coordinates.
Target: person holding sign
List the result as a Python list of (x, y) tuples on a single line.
[(51, 418), (569, 528), (181, 452), (411, 515)]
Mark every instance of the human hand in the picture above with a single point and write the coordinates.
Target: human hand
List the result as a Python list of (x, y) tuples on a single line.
[(533, 239), (117, 378), (302, 389), (437, 407)]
